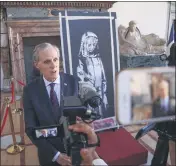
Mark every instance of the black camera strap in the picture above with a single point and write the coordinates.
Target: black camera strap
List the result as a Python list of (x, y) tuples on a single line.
[(96, 144)]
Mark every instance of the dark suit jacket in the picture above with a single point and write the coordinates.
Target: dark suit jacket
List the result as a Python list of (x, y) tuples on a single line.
[(38, 112), (172, 57), (157, 111), (42, 136)]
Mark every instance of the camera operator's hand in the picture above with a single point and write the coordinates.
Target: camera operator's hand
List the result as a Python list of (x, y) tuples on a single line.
[(79, 120), (64, 160), (87, 129), (88, 154)]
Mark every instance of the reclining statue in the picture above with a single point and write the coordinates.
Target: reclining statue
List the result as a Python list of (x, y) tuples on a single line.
[(132, 42)]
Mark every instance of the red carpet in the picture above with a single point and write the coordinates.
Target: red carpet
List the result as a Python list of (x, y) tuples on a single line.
[(120, 148)]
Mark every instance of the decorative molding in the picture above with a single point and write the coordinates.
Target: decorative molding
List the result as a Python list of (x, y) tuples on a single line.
[(75, 4), (26, 28)]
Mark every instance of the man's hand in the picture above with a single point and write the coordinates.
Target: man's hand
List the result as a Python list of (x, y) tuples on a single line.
[(64, 160), (89, 154), (85, 128)]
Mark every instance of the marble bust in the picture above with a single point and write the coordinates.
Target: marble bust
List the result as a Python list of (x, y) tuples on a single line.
[(132, 42)]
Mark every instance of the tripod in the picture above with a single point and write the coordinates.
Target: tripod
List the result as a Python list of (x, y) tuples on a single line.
[(166, 131)]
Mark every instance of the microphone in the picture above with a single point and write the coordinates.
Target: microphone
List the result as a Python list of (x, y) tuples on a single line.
[(88, 95)]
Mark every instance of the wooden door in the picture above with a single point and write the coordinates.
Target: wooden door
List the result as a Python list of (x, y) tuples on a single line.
[(29, 44)]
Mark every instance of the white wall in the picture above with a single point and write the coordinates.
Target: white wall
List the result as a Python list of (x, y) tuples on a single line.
[(151, 17)]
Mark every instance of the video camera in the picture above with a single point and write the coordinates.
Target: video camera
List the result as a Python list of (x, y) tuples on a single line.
[(73, 107)]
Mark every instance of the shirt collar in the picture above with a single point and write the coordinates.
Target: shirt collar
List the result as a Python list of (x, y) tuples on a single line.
[(166, 99), (57, 81)]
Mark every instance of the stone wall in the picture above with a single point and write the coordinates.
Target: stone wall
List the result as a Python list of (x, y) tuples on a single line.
[(36, 12), (24, 14), (5, 60)]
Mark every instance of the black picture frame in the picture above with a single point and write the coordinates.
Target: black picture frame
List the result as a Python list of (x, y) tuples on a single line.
[(94, 32)]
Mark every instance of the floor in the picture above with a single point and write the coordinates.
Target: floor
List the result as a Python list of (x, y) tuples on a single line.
[(29, 155)]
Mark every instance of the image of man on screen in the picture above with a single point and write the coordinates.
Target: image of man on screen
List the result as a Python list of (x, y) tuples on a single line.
[(43, 133), (164, 104)]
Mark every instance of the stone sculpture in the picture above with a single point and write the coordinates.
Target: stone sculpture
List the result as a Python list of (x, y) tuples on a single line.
[(132, 42)]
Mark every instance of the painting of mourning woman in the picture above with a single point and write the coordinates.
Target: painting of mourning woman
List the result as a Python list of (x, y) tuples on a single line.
[(92, 62), (90, 68)]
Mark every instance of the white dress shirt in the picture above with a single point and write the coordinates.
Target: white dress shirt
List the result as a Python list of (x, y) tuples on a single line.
[(99, 162), (57, 90)]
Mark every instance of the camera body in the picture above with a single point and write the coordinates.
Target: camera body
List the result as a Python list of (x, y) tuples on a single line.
[(74, 142)]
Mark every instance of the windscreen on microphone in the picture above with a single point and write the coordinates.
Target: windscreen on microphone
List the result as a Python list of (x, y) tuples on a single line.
[(88, 95), (94, 102)]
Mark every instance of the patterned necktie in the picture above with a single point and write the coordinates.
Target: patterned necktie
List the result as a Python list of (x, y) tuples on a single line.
[(53, 96)]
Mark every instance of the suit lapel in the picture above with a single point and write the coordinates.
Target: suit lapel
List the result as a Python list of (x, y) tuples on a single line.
[(45, 100), (64, 90), (63, 85), (61, 92)]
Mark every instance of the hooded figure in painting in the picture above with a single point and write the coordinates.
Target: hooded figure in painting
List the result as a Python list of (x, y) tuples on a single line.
[(90, 68)]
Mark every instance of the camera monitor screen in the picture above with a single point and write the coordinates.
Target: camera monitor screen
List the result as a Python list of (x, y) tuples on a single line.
[(46, 132), (146, 95), (152, 95)]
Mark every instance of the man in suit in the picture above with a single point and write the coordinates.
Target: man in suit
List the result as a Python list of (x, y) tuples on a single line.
[(42, 100), (43, 134), (163, 105), (172, 57)]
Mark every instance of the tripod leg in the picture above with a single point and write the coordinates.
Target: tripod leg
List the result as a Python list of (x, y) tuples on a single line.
[(161, 152), (143, 131)]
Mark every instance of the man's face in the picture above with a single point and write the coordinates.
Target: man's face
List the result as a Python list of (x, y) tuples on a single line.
[(163, 90), (43, 132), (48, 64)]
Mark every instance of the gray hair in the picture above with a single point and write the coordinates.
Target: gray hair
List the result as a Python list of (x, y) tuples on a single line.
[(42, 47)]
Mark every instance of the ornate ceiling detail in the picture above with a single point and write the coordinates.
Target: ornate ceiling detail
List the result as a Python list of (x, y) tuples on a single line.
[(75, 4)]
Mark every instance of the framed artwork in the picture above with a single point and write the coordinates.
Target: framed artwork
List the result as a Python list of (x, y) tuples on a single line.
[(89, 47)]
